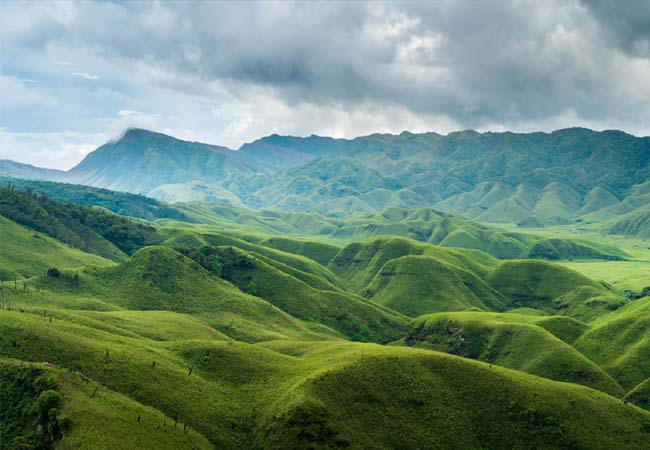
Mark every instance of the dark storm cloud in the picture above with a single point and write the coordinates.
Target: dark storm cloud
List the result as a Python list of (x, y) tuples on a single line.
[(626, 22)]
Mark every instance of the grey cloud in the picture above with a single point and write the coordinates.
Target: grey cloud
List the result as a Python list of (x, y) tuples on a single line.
[(478, 63), (627, 23)]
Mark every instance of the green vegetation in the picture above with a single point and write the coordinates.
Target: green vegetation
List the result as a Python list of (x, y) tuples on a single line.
[(422, 224), (232, 329), (122, 203), (640, 395), (416, 285), (552, 288), (25, 253), (619, 342), (90, 229), (351, 315), (30, 415), (525, 343)]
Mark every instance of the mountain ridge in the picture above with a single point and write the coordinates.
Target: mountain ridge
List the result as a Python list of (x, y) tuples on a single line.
[(528, 178)]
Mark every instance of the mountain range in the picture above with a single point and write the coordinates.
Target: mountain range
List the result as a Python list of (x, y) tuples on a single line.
[(532, 179)]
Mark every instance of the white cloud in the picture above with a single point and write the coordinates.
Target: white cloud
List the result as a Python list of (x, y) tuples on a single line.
[(127, 112), (60, 150), (86, 75)]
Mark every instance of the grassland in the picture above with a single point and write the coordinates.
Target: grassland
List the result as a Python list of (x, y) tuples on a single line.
[(218, 339), (25, 253)]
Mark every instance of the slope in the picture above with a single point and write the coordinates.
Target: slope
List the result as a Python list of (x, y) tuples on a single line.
[(25, 253), (349, 314), (619, 342), (552, 288), (515, 341), (160, 279), (90, 229)]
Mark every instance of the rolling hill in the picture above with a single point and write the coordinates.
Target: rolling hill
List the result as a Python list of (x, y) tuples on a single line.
[(25, 253), (92, 230), (231, 329), (516, 341)]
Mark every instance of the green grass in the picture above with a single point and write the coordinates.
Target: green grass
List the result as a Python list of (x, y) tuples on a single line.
[(289, 230), (25, 253), (620, 343), (256, 351), (621, 275), (349, 314), (428, 400), (640, 395), (359, 263), (415, 285), (526, 343), (552, 288), (288, 394), (160, 279)]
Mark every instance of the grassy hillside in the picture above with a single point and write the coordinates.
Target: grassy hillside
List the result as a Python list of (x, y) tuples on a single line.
[(239, 339), (415, 285), (552, 288), (25, 253), (142, 160), (359, 263), (525, 343), (640, 395), (287, 394), (90, 229), (422, 224), (543, 178), (351, 315), (118, 202), (619, 342), (474, 406), (54, 398)]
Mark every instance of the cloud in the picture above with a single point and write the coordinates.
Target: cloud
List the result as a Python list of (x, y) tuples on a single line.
[(58, 150), (627, 24), (86, 75), (230, 72)]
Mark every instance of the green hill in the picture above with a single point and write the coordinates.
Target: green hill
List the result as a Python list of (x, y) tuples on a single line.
[(359, 263), (552, 288), (507, 177), (415, 285), (640, 395), (92, 230), (25, 253), (122, 203), (619, 342), (635, 223), (284, 394), (474, 406), (422, 224), (349, 314), (160, 279), (515, 341), (142, 160)]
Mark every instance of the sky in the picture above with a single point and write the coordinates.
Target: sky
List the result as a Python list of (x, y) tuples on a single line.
[(74, 75)]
